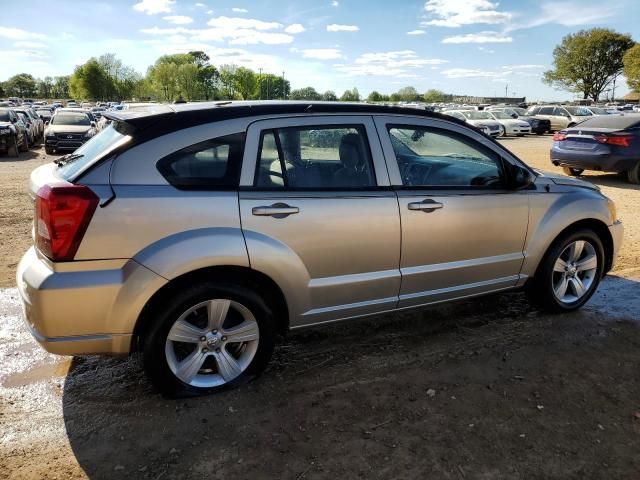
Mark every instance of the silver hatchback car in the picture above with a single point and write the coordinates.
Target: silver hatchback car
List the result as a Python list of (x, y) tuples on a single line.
[(197, 234)]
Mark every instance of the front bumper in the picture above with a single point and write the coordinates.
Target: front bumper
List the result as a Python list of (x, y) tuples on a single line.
[(61, 144), (617, 233), (88, 307)]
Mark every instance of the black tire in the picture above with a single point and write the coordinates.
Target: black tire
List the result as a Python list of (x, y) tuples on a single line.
[(153, 340), (12, 151), (571, 125), (572, 172), (540, 287), (25, 144), (633, 175), (48, 150)]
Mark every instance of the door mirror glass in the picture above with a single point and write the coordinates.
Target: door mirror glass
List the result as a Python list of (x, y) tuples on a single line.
[(520, 177)]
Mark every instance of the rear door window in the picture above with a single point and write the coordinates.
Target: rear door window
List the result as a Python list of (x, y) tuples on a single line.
[(546, 111)]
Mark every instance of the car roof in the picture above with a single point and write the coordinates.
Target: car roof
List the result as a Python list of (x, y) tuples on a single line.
[(166, 118)]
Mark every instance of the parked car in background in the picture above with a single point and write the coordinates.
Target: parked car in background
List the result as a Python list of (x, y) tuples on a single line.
[(32, 133), (97, 112), (478, 119), (221, 227), (539, 126), (68, 131), (13, 133), (34, 123), (602, 111), (45, 114), (560, 117), (606, 143), (510, 125)]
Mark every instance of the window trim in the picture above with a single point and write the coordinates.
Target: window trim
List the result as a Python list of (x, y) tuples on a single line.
[(235, 180), (319, 126)]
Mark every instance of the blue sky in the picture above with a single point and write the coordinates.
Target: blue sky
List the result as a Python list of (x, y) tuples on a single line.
[(475, 47)]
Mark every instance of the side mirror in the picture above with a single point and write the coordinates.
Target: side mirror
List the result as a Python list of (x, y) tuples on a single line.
[(520, 178), (514, 115), (93, 124)]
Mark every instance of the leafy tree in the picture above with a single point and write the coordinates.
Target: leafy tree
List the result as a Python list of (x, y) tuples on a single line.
[(45, 87), (329, 96), (60, 87), (374, 97), (631, 62), (21, 85), (90, 81), (434, 96), (270, 87), (246, 82), (395, 97), (228, 81), (307, 93), (162, 77), (588, 61), (350, 95), (408, 94), (187, 80)]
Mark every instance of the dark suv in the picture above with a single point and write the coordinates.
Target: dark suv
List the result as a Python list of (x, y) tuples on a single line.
[(13, 133)]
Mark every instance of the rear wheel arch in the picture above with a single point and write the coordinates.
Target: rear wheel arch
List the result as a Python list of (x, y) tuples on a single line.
[(257, 281)]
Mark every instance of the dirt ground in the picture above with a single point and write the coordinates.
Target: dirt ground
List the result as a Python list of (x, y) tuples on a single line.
[(482, 389)]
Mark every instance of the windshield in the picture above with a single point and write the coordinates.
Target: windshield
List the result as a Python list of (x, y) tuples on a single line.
[(4, 116), (44, 113), (520, 111), (599, 111), (502, 116), (100, 145), (70, 119), (579, 111), (472, 115)]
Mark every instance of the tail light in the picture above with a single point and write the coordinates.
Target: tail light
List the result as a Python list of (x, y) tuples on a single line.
[(616, 140), (559, 136), (63, 213)]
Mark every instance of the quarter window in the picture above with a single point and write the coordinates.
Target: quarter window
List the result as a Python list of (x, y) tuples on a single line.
[(432, 157), (335, 157), (206, 165)]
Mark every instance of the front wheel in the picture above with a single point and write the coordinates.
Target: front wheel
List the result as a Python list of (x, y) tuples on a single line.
[(572, 172), (25, 144), (208, 338), (569, 273), (633, 175), (12, 149)]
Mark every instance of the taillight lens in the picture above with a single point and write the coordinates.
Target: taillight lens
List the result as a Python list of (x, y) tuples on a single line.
[(63, 213), (559, 136), (617, 140)]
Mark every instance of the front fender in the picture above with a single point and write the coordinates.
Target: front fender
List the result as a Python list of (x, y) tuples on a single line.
[(551, 213)]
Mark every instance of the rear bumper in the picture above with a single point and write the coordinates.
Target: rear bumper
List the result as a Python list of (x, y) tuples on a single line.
[(603, 162), (84, 307)]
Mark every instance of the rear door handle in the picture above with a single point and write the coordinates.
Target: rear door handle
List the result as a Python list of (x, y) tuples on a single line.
[(277, 210), (427, 205)]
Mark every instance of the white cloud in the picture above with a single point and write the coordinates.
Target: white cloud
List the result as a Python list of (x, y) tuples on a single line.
[(27, 55), (481, 37), (152, 7), (209, 12), (239, 10), (322, 53), (393, 63), (201, 5), (295, 28), (523, 67), (242, 23), (334, 3), (486, 50), (470, 73), (570, 14), (178, 19), (455, 13), (30, 45), (19, 34), (335, 27), (416, 32)]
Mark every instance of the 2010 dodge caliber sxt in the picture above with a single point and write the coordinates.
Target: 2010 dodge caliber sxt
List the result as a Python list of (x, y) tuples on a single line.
[(197, 233)]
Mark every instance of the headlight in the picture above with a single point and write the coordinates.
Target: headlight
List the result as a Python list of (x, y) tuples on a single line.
[(49, 133), (90, 133), (612, 210), (5, 131)]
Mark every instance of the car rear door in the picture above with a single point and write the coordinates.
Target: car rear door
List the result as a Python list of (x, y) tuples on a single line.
[(319, 216), (463, 232)]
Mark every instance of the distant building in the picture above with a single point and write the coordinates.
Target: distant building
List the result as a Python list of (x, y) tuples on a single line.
[(632, 97)]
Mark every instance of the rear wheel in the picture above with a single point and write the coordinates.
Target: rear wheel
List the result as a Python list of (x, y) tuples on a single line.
[(633, 175), (48, 150), (569, 272), (573, 172), (208, 338), (25, 144)]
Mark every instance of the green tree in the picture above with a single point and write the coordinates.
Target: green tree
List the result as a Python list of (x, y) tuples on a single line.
[(631, 62), (374, 97), (588, 61), (45, 87), (90, 81), (188, 81), (329, 96), (163, 79), (246, 83), (60, 87), (270, 87), (307, 93), (21, 85), (434, 96), (350, 95), (408, 94), (228, 82)]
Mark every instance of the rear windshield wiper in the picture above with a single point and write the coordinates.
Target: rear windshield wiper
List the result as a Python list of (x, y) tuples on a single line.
[(67, 158)]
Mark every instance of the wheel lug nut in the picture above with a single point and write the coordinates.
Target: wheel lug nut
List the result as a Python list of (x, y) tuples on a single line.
[(202, 339), (214, 331), (224, 339)]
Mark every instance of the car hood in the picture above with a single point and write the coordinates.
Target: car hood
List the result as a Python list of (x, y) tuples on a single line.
[(485, 123), (514, 122), (568, 181), (68, 128)]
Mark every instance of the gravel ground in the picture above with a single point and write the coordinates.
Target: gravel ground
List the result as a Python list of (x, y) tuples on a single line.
[(483, 389)]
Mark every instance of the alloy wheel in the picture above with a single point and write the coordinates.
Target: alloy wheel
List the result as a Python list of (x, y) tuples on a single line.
[(212, 343), (574, 271)]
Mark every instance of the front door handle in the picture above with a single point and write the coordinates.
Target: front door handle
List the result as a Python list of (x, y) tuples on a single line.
[(427, 205), (277, 210)]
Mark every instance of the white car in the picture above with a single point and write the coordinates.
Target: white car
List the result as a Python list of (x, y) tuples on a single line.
[(603, 111), (510, 125), (478, 119)]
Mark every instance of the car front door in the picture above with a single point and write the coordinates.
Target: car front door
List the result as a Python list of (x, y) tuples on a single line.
[(463, 231), (319, 216)]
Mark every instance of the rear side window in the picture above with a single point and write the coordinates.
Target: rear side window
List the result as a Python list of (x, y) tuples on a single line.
[(322, 157), (546, 111), (212, 164)]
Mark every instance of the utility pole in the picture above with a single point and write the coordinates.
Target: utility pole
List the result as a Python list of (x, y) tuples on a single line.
[(506, 88), (613, 94), (260, 82), (284, 93)]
